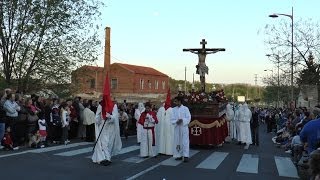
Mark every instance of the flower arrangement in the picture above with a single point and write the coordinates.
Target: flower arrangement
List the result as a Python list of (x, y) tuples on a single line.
[(203, 98)]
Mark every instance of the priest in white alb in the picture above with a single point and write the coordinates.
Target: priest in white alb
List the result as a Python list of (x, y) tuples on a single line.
[(147, 120), (165, 128), (180, 119)]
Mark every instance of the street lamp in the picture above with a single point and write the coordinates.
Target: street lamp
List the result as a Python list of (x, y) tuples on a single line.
[(278, 78), (291, 17)]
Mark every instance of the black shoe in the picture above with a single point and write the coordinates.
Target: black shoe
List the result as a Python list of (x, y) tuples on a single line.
[(105, 163), (178, 159), (185, 159)]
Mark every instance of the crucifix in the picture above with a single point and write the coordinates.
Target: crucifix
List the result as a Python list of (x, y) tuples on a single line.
[(202, 68)]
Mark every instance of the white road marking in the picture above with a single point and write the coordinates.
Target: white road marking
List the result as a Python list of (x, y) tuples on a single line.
[(169, 162), (213, 161), (172, 162), (135, 159), (124, 150), (248, 164), (48, 149), (75, 152), (286, 167)]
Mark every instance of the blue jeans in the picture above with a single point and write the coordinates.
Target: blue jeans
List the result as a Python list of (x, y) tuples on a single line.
[(2, 130)]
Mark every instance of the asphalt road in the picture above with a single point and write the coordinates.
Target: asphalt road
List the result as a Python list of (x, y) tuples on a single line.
[(231, 161)]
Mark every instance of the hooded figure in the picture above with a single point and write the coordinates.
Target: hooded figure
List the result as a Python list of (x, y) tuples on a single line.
[(245, 130), (109, 143), (231, 123), (237, 122), (137, 115), (165, 131)]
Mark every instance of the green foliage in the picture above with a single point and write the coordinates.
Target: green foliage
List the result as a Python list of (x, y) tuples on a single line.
[(45, 40)]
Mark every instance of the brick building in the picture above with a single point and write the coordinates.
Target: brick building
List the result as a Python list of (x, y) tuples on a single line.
[(131, 82)]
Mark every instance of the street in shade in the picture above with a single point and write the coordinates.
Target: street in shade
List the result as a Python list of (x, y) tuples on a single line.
[(73, 161)]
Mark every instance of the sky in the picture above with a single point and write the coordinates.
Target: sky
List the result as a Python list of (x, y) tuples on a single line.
[(153, 33)]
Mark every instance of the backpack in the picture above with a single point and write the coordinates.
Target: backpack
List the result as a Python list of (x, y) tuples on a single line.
[(55, 115)]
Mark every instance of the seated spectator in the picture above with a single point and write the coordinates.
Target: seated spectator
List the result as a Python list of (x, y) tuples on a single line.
[(34, 140), (7, 140), (314, 163)]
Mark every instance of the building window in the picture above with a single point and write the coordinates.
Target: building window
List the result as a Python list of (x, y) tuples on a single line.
[(141, 83), (156, 84), (114, 83), (149, 84), (163, 85), (92, 83)]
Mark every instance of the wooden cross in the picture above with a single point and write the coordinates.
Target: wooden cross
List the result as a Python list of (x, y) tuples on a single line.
[(202, 69)]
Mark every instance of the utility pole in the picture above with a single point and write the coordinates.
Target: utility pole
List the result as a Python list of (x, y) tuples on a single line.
[(185, 80), (255, 79)]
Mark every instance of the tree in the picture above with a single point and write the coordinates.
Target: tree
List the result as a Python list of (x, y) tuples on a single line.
[(45, 40), (306, 40)]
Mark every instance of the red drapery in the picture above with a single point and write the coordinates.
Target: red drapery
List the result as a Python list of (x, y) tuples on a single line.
[(208, 131)]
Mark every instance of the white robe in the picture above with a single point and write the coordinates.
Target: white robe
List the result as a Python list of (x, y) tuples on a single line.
[(109, 143), (165, 131), (146, 147), (237, 122), (245, 129), (137, 114), (231, 123), (181, 132)]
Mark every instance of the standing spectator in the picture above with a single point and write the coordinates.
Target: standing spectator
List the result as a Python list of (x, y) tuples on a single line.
[(21, 125), (81, 126), (3, 115), (65, 122), (74, 117), (88, 121), (55, 120), (11, 108), (124, 123), (254, 125), (32, 116), (93, 106), (47, 117)]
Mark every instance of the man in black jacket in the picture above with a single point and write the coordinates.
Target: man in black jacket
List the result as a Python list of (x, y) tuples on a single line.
[(254, 124)]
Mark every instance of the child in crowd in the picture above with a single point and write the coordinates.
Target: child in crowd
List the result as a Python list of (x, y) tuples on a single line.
[(7, 140), (34, 140), (42, 131)]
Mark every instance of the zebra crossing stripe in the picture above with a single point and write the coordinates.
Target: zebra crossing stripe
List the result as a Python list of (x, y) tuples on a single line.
[(213, 161), (172, 162), (54, 148), (285, 167), (169, 162), (248, 164), (135, 159), (75, 152), (124, 150)]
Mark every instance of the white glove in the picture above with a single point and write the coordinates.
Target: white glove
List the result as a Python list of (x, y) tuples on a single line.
[(108, 115)]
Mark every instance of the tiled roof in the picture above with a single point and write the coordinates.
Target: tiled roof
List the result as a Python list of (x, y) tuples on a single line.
[(141, 69), (92, 68)]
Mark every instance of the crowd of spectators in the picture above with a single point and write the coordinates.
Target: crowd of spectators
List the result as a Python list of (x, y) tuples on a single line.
[(37, 122), (298, 133)]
